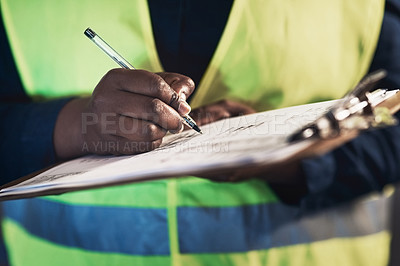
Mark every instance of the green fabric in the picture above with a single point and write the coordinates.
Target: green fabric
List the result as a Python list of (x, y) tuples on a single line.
[(146, 194), (281, 53), (75, 65), (271, 54), (199, 192), (153, 194)]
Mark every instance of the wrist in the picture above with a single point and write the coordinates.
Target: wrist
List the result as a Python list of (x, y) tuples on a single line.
[(67, 138)]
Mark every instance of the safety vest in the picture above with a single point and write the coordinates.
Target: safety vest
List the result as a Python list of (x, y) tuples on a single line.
[(272, 53)]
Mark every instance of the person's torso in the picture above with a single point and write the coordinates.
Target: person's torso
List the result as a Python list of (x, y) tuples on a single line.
[(271, 54)]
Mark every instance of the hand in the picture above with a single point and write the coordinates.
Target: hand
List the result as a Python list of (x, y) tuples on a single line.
[(219, 110), (129, 112)]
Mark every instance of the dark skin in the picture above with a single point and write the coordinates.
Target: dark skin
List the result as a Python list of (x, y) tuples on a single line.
[(220, 110), (130, 111)]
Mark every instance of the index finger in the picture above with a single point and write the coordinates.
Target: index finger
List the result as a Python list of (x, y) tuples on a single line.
[(181, 84)]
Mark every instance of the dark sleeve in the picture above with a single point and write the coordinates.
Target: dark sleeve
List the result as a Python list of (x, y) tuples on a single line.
[(26, 128), (370, 161), (27, 137)]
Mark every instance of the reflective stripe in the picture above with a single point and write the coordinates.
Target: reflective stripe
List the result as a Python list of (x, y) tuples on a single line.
[(366, 251), (25, 249), (134, 231), (265, 226), (362, 219)]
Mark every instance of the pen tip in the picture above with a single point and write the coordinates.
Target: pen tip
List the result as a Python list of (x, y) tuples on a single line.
[(195, 127)]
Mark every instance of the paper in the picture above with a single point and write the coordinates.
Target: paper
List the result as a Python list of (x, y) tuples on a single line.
[(256, 138)]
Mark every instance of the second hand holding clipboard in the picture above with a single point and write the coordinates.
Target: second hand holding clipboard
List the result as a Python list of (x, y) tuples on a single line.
[(358, 110)]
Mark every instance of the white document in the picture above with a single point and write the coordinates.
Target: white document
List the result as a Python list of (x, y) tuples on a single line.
[(234, 142)]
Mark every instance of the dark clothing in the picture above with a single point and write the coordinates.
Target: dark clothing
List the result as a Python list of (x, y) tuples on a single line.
[(370, 161), (363, 165), (180, 27)]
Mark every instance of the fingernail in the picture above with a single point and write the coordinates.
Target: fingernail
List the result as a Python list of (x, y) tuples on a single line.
[(182, 128), (184, 108), (182, 96)]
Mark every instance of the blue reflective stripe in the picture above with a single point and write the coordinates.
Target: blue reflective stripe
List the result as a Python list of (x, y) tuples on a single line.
[(265, 226), (144, 231), (228, 229), (134, 231)]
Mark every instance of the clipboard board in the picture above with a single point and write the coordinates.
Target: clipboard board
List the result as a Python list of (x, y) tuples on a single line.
[(103, 171)]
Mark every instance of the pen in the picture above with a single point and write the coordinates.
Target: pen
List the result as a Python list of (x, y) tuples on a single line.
[(125, 64)]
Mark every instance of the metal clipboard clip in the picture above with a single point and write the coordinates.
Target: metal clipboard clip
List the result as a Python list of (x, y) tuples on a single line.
[(358, 110)]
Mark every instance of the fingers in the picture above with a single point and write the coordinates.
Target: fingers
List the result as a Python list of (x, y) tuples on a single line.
[(140, 107), (181, 84), (208, 114), (131, 129), (220, 110), (116, 134), (236, 108), (151, 85), (130, 111)]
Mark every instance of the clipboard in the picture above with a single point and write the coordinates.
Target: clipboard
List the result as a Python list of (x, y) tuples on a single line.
[(361, 105)]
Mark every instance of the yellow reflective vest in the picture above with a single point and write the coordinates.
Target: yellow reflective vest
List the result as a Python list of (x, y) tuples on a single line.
[(272, 53)]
